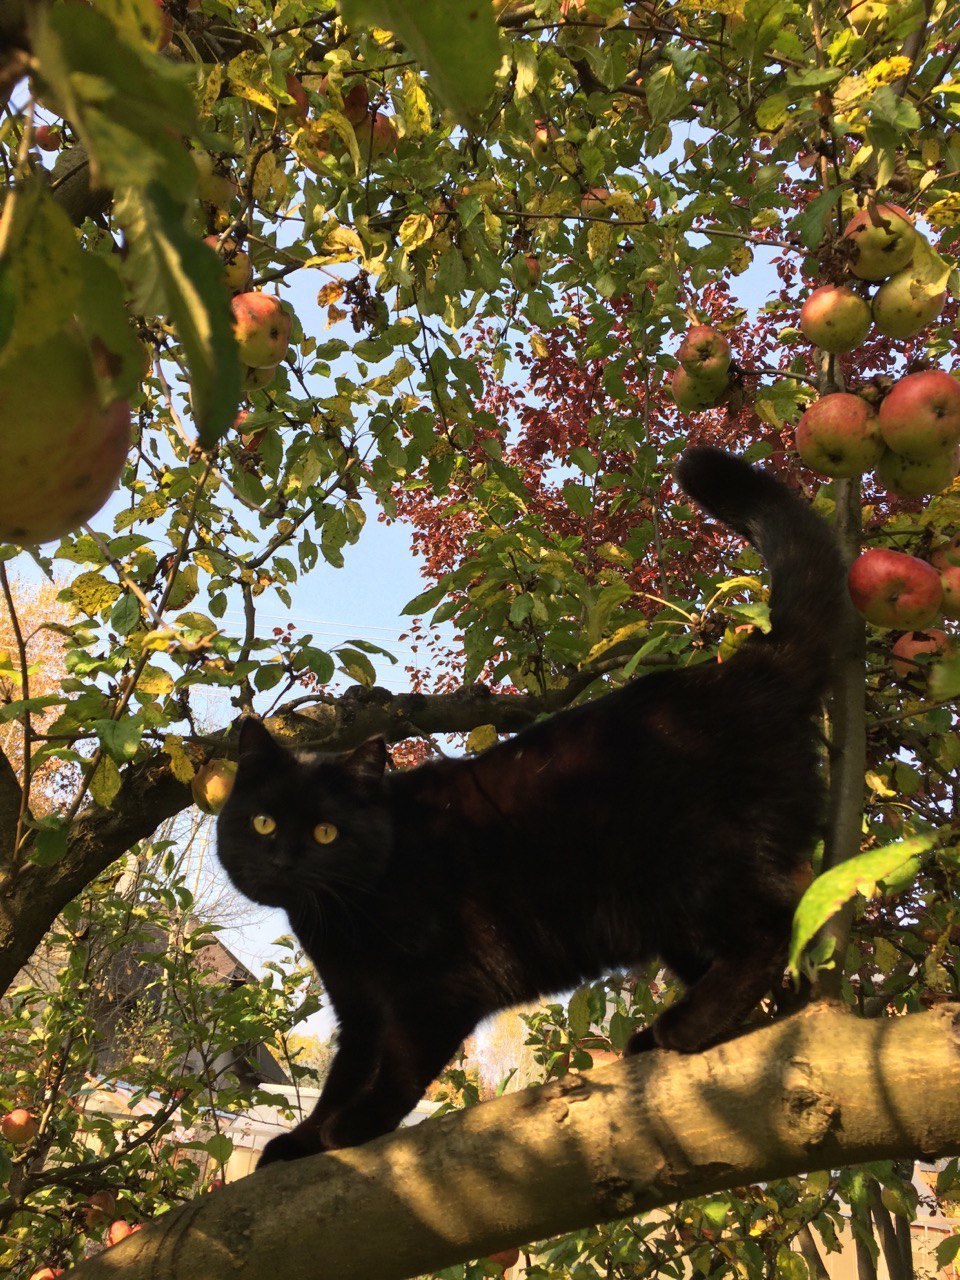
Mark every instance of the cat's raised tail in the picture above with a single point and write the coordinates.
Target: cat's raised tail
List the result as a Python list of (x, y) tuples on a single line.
[(809, 602)]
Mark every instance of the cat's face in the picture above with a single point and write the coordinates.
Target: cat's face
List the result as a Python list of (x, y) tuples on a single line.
[(299, 824)]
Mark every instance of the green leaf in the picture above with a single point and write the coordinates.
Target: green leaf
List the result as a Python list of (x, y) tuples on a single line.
[(120, 738), (126, 614), (481, 738), (41, 270), (426, 600), (51, 846), (220, 1147), (809, 225), (578, 1012), (166, 259), (861, 874), (457, 45), (947, 1251)]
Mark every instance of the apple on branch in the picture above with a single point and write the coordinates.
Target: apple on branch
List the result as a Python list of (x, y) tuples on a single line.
[(920, 417), (237, 265), (262, 328), (835, 318), (19, 1127), (913, 644), (212, 784), (905, 304), (691, 395), (61, 450), (884, 238), (705, 354), (839, 435), (892, 589), (917, 478)]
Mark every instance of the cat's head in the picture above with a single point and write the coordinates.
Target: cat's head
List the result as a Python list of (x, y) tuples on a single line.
[(299, 823)]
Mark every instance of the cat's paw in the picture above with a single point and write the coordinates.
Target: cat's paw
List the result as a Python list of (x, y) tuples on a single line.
[(641, 1041), (295, 1145)]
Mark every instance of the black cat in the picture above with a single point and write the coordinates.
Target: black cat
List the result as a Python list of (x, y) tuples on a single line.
[(673, 817)]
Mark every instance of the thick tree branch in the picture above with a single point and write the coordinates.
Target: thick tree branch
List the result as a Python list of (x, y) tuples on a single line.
[(822, 1089), (31, 897)]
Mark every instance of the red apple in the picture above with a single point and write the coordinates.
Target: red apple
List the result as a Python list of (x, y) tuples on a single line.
[(212, 784), (835, 318), (909, 478), (48, 137), (298, 110), (691, 395), (884, 237), (377, 135), (356, 100), (903, 305), (99, 1209), (120, 1229), (839, 436), (545, 135), (19, 1126), (61, 451), (166, 25), (892, 589), (505, 1258), (237, 266), (262, 328), (920, 418), (705, 354), (46, 1273), (593, 203), (913, 643)]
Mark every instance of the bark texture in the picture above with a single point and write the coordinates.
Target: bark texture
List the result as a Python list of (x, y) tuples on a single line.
[(822, 1089)]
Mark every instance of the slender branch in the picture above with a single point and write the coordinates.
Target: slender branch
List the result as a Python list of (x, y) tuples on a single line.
[(24, 718)]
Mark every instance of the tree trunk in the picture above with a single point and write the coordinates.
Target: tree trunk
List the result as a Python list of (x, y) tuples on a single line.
[(820, 1090)]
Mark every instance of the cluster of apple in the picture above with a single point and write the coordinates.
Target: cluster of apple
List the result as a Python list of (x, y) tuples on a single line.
[(911, 441), (702, 378), (895, 590), (883, 245)]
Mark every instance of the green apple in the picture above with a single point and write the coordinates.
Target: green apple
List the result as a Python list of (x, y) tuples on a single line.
[(884, 238), (905, 304), (61, 451), (691, 395), (910, 479)]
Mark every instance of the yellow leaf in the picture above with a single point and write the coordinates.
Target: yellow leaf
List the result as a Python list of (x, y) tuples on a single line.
[(484, 736), (538, 346), (180, 764), (945, 212), (92, 593), (888, 71), (105, 782)]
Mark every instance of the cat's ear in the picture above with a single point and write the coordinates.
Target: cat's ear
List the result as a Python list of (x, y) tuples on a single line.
[(256, 739), (367, 762)]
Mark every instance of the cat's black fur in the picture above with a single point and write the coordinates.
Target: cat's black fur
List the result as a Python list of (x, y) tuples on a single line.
[(673, 817)]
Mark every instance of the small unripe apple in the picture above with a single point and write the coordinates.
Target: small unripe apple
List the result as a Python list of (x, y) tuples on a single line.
[(237, 266), (261, 327), (19, 1126), (705, 354), (946, 554), (920, 417), (839, 435), (254, 379), (913, 478), (212, 784), (691, 395), (885, 240), (835, 318), (525, 270), (903, 305), (892, 589), (545, 135), (914, 643), (214, 186)]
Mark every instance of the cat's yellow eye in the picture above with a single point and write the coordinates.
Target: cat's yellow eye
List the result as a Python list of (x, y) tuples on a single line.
[(325, 833), (263, 824)]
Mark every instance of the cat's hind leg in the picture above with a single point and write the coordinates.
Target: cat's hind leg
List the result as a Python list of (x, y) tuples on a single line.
[(716, 1003)]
